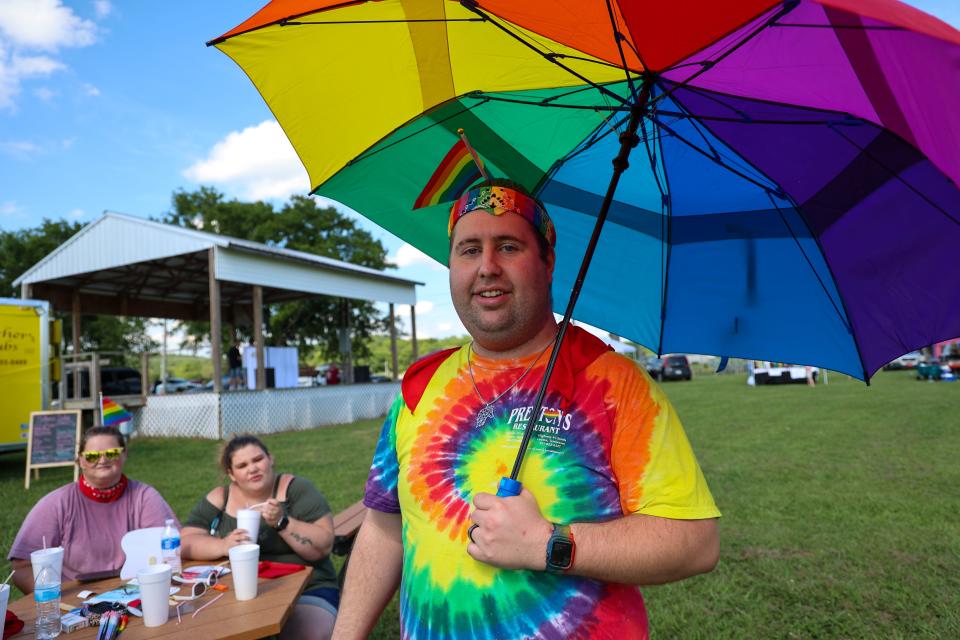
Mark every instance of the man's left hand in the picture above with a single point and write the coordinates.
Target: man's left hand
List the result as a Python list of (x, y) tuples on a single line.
[(511, 532)]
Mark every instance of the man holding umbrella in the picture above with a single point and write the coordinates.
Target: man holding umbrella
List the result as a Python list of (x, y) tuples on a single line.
[(613, 496)]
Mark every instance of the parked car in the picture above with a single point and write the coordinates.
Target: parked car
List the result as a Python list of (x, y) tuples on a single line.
[(174, 385), (907, 361), (114, 381), (676, 367), (654, 366)]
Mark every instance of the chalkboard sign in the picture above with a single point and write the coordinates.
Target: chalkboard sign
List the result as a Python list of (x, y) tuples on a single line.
[(52, 441)]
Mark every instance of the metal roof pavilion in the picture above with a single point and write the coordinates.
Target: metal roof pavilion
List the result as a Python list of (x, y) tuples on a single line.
[(125, 265)]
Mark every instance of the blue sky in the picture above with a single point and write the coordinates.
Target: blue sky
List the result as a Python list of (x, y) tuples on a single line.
[(115, 104)]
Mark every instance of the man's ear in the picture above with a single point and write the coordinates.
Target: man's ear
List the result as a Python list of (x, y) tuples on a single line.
[(551, 261)]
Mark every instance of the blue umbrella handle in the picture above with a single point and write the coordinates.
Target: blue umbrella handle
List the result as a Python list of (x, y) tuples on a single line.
[(509, 487)]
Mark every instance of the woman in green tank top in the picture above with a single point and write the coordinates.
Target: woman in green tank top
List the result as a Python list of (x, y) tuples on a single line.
[(296, 526)]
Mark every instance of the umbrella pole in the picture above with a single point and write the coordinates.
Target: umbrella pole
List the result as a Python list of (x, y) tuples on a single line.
[(628, 140)]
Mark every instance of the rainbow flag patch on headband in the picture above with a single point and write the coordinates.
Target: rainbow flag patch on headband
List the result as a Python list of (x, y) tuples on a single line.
[(456, 172), (113, 413), (500, 200)]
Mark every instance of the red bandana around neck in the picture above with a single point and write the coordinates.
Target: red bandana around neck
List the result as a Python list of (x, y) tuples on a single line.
[(103, 495)]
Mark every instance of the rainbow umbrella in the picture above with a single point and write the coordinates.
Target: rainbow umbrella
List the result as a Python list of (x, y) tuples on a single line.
[(791, 192)]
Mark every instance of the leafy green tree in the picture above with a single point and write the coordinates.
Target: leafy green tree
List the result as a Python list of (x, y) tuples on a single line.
[(20, 250), (311, 325)]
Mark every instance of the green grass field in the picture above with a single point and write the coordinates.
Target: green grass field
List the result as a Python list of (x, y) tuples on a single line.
[(840, 505)]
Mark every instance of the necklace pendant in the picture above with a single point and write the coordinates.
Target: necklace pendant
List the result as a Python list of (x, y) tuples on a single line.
[(483, 415)]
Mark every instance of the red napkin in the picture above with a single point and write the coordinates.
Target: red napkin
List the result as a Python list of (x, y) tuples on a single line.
[(268, 569), (12, 625)]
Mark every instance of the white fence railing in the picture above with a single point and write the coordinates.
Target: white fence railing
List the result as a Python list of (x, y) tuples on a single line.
[(213, 416)]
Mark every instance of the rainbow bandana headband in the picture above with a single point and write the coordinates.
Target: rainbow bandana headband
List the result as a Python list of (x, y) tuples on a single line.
[(500, 200)]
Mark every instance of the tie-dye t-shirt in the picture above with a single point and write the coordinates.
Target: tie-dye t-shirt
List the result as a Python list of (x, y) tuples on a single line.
[(613, 447)]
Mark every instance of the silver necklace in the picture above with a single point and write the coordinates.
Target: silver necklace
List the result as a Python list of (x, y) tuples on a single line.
[(486, 411)]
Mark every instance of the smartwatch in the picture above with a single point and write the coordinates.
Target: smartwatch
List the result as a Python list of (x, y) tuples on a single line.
[(282, 523), (560, 549)]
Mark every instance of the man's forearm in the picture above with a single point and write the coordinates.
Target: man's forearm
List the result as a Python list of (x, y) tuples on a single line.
[(373, 575), (641, 549)]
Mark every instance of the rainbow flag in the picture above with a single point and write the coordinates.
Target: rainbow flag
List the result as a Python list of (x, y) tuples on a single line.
[(551, 414), (456, 172), (113, 413)]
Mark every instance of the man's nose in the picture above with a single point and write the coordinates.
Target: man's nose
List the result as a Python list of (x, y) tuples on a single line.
[(489, 262)]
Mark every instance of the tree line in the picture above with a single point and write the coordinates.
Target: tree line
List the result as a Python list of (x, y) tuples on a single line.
[(299, 224)]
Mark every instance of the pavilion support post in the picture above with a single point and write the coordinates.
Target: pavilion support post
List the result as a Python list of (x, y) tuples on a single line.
[(258, 336), (215, 323), (413, 332), (393, 342), (26, 291), (145, 374), (75, 330), (95, 390)]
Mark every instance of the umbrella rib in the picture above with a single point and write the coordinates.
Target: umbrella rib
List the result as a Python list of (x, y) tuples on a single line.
[(666, 208), (706, 65), (364, 156), (302, 23), (471, 5), (694, 122), (849, 319), (896, 176), (718, 160), (845, 321), (618, 36), (598, 134), (666, 227), (544, 103)]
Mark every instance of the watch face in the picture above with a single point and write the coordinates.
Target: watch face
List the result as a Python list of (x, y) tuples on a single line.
[(561, 554)]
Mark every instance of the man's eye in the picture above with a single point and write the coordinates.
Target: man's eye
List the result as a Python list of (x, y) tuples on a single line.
[(470, 251), (509, 248)]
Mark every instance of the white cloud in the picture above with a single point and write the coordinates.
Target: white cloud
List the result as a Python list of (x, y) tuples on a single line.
[(20, 147), (444, 327), (44, 93), (9, 208), (423, 307), (407, 255), (76, 214), (44, 24), (258, 161), (102, 8), (28, 26), (90, 90)]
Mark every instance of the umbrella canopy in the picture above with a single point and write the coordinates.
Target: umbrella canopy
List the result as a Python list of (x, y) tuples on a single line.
[(793, 196)]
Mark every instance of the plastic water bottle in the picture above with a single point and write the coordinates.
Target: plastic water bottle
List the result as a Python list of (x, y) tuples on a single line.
[(170, 546), (46, 593)]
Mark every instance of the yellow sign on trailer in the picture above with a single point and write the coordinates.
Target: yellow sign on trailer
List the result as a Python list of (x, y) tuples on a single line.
[(24, 367)]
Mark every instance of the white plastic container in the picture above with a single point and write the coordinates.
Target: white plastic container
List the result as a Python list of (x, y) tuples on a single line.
[(244, 559), (155, 594)]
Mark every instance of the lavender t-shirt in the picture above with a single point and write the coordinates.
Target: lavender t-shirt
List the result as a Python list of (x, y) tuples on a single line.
[(89, 531)]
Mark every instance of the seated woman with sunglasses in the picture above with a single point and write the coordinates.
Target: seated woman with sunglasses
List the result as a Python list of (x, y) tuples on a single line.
[(296, 527), (89, 517)]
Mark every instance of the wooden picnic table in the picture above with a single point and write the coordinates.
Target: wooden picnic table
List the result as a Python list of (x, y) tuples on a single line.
[(226, 619)]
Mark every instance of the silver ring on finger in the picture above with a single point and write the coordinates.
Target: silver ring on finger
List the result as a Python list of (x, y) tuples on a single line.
[(470, 531)]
